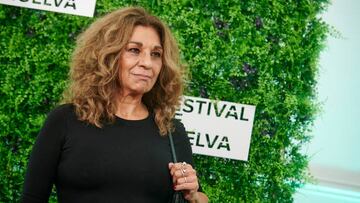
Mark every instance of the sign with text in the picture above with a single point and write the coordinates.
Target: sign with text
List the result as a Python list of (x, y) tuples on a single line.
[(75, 7), (217, 128)]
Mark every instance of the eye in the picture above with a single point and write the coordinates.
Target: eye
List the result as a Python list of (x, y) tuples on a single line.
[(134, 50), (156, 54)]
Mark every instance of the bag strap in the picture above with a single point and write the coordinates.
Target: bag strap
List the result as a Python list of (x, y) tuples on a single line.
[(172, 147), (178, 195)]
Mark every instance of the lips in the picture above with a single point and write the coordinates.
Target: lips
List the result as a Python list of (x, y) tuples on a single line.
[(142, 76)]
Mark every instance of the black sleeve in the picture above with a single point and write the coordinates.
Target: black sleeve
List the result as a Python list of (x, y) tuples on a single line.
[(183, 146), (44, 158)]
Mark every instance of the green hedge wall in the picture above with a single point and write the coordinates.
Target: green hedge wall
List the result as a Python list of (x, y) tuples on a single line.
[(263, 53)]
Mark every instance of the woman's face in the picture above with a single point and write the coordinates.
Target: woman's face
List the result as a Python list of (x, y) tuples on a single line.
[(140, 61)]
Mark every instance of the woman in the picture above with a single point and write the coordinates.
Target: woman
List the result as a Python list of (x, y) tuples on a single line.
[(109, 142)]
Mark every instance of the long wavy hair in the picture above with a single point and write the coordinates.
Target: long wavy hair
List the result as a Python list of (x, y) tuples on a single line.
[(94, 78)]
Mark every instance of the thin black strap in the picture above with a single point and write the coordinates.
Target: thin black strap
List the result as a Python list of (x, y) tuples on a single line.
[(172, 147), (178, 195)]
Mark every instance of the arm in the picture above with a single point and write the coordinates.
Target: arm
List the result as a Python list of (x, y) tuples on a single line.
[(190, 186), (200, 198), (185, 179), (43, 162)]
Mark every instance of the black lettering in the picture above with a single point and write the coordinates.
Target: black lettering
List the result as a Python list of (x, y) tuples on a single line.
[(72, 4), (191, 138), (57, 3), (210, 145), (218, 114), (200, 105), (232, 112), (46, 3), (24, 0), (224, 145), (188, 103), (198, 141), (242, 115), (36, 2), (209, 108), (178, 115)]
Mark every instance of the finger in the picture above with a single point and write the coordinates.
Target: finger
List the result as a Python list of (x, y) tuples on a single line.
[(186, 179), (181, 173), (180, 165), (170, 165), (174, 167), (194, 186), (190, 179), (178, 175)]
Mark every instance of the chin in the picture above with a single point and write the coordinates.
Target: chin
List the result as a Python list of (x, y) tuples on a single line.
[(142, 90)]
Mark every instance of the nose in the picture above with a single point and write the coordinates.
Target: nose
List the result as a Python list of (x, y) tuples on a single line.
[(145, 60)]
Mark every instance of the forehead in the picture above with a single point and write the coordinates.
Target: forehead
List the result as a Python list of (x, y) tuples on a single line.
[(145, 35)]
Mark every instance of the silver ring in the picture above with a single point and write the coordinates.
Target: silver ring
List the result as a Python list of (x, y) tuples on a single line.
[(183, 171), (183, 164), (185, 180)]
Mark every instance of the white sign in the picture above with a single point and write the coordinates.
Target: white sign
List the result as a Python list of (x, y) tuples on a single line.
[(217, 128), (75, 7)]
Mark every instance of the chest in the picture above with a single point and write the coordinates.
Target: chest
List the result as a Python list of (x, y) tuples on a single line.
[(123, 158)]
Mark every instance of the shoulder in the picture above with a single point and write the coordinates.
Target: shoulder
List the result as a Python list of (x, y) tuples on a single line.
[(61, 111), (182, 142), (179, 126), (179, 131), (56, 123), (61, 114)]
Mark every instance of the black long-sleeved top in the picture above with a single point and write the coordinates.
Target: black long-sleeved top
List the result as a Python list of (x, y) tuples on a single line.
[(126, 161)]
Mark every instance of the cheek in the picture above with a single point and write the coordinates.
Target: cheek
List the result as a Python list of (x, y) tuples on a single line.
[(123, 76), (156, 74), (125, 67), (157, 69)]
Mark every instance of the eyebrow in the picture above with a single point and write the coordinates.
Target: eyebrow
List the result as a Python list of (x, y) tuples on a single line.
[(141, 44)]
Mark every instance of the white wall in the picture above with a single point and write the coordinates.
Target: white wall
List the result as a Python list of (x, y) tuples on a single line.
[(335, 148)]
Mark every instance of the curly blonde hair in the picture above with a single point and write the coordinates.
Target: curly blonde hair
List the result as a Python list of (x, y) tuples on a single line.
[(94, 79)]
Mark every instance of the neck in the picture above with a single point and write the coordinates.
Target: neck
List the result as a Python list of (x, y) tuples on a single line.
[(131, 107)]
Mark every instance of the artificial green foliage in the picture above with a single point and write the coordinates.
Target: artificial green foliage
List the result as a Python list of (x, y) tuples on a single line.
[(263, 53)]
